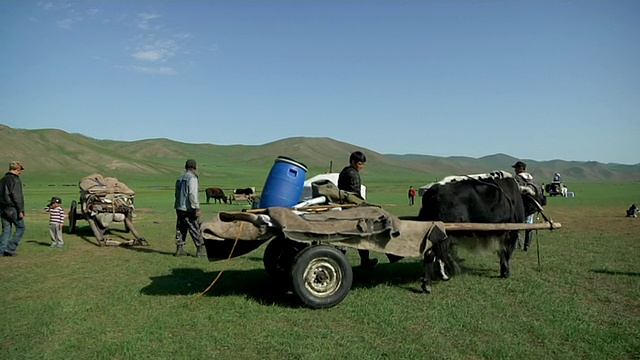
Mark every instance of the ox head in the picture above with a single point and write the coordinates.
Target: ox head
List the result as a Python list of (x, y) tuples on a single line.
[(532, 197)]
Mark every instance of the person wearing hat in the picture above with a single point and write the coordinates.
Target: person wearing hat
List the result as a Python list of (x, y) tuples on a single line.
[(56, 221), (187, 205), (523, 178), (11, 209)]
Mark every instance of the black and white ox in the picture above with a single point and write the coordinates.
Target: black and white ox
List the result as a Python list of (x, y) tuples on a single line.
[(216, 194), (243, 191), (495, 197)]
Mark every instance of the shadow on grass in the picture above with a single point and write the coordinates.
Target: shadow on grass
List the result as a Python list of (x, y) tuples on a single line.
[(258, 286), (254, 284), (41, 243), (86, 234), (146, 250), (399, 274), (612, 272), (482, 272)]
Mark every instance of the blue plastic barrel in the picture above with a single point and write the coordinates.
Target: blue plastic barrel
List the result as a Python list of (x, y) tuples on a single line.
[(284, 183)]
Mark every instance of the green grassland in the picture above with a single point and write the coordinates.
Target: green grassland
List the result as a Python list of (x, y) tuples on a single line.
[(582, 301)]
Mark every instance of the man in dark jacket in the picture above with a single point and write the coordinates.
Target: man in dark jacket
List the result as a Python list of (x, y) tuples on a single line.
[(349, 180), (12, 209)]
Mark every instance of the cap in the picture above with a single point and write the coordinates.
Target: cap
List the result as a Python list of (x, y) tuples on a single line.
[(190, 164), (519, 164), (56, 199), (16, 165)]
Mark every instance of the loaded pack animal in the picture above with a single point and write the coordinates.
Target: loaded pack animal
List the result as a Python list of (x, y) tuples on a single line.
[(495, 197), (216, 194)]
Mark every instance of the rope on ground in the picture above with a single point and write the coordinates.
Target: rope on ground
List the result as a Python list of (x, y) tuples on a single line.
[(221, 271)]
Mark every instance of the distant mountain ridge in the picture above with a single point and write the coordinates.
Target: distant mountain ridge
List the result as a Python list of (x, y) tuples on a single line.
[(60, 155)]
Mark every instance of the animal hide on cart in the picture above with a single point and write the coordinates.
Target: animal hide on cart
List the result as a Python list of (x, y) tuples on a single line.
[(362, 227)]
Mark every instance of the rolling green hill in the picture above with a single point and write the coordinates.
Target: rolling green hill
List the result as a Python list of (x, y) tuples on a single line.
[(56, 156)]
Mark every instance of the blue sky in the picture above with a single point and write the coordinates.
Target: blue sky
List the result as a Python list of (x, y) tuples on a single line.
[(536, 80)]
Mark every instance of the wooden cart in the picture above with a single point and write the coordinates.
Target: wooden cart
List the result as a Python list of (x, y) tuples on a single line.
[(105, 201), (318, 272)]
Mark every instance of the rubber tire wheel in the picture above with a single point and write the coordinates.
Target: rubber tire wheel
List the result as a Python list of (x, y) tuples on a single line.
[(278, 258), (73, 217), (322, 276)]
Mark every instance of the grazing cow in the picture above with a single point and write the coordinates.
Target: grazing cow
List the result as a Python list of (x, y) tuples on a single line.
[(216, 194), (245, 191), (633, 211), (495, 197), (241, 194)]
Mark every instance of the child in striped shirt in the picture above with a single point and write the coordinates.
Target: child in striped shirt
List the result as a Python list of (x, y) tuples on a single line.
[(56, 219)]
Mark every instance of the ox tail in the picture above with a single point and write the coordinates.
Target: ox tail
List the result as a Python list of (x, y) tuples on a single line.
[(446, 257)]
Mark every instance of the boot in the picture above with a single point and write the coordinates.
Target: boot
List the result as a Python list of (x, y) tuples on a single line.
[(365, 261), (202, 251), (527, 239), (180, 251)]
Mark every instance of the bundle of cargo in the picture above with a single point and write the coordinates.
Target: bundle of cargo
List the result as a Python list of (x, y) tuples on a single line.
[(103, 201)]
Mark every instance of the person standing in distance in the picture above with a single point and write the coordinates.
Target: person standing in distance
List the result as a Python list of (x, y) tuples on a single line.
[(12, 209), (523, 178), (187, 205), (412, 195), (349, 180)]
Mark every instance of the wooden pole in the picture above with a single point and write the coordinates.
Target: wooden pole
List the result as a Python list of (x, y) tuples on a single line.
[(498, 227), (308, 208)]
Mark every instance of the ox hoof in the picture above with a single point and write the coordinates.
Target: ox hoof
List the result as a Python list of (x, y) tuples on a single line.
[(505, 275), (426, 288)]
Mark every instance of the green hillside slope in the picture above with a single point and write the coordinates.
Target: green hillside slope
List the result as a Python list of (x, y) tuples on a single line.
[(61, 156)]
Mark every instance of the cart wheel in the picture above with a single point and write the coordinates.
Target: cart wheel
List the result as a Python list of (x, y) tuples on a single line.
[(278, 257), (73, 217), (322, 276)]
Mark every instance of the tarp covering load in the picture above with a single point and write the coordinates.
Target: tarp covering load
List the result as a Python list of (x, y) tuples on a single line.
[(97, 183), (103, 201), (106, 198)]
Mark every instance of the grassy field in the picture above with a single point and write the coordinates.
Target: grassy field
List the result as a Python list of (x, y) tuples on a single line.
[(91, 302)]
